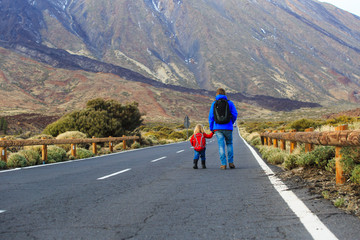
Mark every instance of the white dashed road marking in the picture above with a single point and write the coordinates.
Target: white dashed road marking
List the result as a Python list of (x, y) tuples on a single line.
[(158, 159), (114, 174), (180, 151)]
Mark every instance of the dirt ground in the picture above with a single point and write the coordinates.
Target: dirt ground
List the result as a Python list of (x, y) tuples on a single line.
[(27, 123), (350, 113), (345, 197)]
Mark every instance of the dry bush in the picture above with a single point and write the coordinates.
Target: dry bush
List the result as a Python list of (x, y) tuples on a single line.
[(69, 135)]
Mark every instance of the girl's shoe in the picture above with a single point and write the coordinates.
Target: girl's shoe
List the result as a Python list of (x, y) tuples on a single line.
[(223, 167), (231, 165), (203, 164), (195, 164)]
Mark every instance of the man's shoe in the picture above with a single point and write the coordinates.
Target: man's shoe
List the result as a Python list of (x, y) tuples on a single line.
[(231, 165), (223, 167)]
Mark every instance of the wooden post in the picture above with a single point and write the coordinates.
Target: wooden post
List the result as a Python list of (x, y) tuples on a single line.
[(111, 149), (262, 140), (309, 146), (94, 147), (275, 141), (269, 140), (3, 152), (282, 142), (124, 143), (340, 179), (73, 150), (44, 152), (293, 145)]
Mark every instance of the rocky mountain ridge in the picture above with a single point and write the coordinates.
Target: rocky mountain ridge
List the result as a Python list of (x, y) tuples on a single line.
[(298, 49), (62, 59)]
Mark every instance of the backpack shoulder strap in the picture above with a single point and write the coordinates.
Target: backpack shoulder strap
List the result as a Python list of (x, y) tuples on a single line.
[(199, 144)]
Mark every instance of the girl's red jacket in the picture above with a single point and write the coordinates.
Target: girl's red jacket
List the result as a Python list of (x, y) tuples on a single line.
[(198, 140)]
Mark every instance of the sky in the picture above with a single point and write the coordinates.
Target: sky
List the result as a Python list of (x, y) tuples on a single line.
[(352, 6)]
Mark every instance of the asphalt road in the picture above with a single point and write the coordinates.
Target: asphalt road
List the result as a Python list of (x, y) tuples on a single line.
[(153, 193)]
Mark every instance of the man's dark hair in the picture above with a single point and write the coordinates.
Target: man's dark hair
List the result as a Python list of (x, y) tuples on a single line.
[(220, 91)]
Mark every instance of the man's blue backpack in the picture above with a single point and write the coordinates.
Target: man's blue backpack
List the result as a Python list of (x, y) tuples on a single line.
[(222, 113)]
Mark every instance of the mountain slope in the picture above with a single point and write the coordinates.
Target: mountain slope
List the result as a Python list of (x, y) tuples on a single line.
[(30, 86), (297, 49)]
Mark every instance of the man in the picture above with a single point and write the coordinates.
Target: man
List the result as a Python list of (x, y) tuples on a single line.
[(223, 129)]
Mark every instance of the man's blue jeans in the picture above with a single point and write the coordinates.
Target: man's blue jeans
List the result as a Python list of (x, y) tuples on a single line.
[(225, 137)]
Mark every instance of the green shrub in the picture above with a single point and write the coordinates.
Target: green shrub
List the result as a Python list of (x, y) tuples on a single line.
[(277, 157), (319, 157), (119, 147), (177, 135), (157, 128), (272, 155), (331, 167), (302, 124), (147, 141), (305, 160), (340, 120), (263, 150), (40, 136), (56, 154), (181, 126), (135, 145), (326, 194), (83, 153), (340, 202), (12, 148), (350, 157), (268, 151), (323, 154), (157, 135), (38, 148), (355, 175), (69, 135), (2, 165), (188, 133), (16, 160), (290, 161), (251, 127), (100, 118), (32, 156), (166, 130), (145, 129), (255, 141), (103, 151)]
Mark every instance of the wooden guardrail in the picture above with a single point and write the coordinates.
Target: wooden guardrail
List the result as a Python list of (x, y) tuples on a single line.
[(339, 138), (45, 142)]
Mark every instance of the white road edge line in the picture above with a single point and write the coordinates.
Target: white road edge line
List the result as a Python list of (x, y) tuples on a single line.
[(111, 175), (310, 221), (158, 159), (180, 151), (2, 211), (10, 170)]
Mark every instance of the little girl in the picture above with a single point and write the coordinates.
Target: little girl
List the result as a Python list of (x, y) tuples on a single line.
[(198, 141)]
